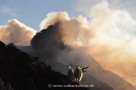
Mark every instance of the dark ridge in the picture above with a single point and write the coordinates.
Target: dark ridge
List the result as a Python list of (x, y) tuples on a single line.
[(19, 71)]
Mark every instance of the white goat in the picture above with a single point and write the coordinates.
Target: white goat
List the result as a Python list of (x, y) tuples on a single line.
[(70, 73), (78, 73)]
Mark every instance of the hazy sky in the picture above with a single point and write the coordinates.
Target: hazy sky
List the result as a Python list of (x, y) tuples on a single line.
[(31, 12)]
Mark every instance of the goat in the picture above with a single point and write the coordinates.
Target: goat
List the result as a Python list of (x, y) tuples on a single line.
[(70, 73), (78, 73)]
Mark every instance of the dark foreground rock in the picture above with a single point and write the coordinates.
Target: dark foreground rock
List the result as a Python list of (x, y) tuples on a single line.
[(20, 71)]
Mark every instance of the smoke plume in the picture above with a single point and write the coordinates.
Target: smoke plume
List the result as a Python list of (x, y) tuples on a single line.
[(73, 31), (109, 36)]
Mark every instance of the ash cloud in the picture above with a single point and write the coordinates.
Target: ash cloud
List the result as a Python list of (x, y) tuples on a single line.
[(16, 32), (62, 36), (73, 31), (72, 40), (105, 37)]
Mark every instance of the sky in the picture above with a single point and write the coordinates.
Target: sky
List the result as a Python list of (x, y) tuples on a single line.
[(31, 12)]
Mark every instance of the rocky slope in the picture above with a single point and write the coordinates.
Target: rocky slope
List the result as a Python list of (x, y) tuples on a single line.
[(50, 47), (20, 71)]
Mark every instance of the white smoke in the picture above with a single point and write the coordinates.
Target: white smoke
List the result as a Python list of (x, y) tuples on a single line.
[(114, 43), (109, 35), (74, 31), (16, 32)]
